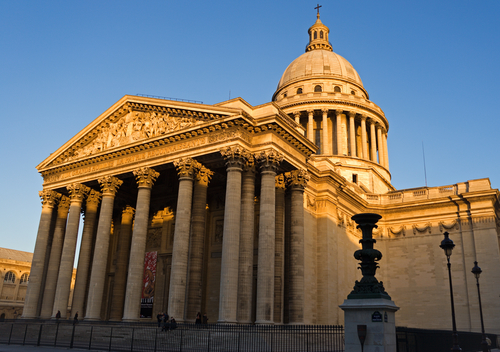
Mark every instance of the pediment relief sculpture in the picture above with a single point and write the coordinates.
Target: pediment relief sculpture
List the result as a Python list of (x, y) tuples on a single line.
[(130, 128)]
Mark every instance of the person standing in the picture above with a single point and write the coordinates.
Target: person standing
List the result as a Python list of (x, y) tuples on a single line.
[(198, 318), (75, 320), (205, 318)]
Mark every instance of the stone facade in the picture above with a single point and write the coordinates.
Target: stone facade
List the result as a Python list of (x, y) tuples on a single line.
[(247, 210)]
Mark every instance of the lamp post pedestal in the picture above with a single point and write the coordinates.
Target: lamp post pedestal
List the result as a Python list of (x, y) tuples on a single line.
[(378, 315)]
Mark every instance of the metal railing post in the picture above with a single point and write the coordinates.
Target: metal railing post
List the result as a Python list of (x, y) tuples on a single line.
[(39, 335), (90, 340), (110, 339), (132, 342), (25, 332), (10, 335), (57, 333)]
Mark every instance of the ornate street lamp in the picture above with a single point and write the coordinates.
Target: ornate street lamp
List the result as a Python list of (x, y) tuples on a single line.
[(447, 245), (476, 270)]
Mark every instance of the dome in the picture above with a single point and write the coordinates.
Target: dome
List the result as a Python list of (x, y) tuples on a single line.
[(320, 63)]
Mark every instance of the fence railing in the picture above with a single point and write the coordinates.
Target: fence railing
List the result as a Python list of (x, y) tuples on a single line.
[(149, 337)]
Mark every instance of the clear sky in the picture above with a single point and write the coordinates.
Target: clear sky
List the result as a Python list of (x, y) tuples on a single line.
[(432, 66)]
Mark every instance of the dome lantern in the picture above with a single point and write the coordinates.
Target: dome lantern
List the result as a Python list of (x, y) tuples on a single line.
[(318, 36)]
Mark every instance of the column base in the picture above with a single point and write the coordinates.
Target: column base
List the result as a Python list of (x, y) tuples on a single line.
[(264, 322), (227, 322)]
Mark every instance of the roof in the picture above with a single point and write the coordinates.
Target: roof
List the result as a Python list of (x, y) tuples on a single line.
[(12, 254)]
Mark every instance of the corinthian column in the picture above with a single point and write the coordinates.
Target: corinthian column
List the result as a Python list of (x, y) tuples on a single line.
[(145, 178), (198, 225), (77, 193), (55, 258), (186, 168), (82, 273), (310, 125), (364, 142), (385, 150), (268, 162), (381, 156), (235, 158), (338, 120), (352, 133), (122, 257), (247, 228), (109, 186), (296, 116), (373, 142), (325, 145), (34, 289), (279, 262), (297, 180)]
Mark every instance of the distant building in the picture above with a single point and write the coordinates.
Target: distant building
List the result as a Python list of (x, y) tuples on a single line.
[(244, 212), (15, 272), (15, 267)]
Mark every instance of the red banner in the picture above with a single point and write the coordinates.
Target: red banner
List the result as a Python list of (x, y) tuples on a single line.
[(148, 283)]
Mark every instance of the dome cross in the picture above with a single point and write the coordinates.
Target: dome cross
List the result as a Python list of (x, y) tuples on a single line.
[(318, 6)]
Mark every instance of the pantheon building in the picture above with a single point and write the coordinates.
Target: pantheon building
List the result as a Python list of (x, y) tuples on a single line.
[(244, 212)]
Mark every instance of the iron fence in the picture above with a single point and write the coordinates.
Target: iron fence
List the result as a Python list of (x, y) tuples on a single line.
[(148, 337)]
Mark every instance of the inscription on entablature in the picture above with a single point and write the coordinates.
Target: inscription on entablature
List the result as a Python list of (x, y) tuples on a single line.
[(222, 136)]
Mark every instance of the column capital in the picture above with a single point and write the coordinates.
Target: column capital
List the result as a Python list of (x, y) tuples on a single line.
[(235, 156), (77, 191), (325, 110), (63, 204), (269, 160), (352, 113), (280, 182), (94, 198), (49, 197), (186, 167), (128, 210), (363, 117), (339, 112), (310, 111), (204, 175), (297, 178), (109, 185), (296, 114), (249, 164), (145, 177)]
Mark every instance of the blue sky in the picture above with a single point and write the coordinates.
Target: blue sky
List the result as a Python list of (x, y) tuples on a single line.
[(432, 66)]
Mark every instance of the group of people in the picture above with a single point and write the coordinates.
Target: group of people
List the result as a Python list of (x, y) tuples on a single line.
[(169, 323), (166, 322)]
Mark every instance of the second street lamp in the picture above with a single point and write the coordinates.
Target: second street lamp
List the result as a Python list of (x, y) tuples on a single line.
[(476, 270), (447, 245)]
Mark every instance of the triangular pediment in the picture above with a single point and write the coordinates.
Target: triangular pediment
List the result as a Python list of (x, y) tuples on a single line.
[(134, 120)]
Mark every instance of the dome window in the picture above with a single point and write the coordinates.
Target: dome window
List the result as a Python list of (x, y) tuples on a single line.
[(315, 35), (353, 92), (299, 91), (284, 95), (337, 89), (318, 89), (321, 34)]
